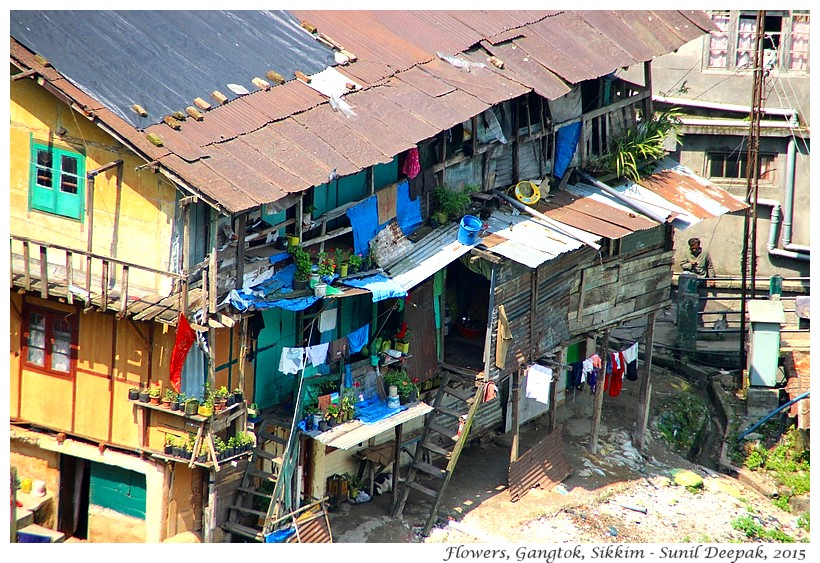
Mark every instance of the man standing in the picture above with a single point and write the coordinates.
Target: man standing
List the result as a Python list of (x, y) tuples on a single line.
[(698, 262)]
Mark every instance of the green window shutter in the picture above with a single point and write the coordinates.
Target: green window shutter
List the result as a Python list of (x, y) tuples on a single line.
[(118, 489), (57, 183)]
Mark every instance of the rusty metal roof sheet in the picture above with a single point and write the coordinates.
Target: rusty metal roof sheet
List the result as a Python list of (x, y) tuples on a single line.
[(408, 93)]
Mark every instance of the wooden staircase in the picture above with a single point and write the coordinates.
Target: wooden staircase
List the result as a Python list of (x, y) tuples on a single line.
[(440, 441), (254, 503)]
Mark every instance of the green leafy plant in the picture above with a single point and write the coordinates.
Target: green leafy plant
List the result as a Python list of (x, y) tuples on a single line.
[(630, 151), (402, 381), (154, 392), (170, 394), (301, 258), (222, 392), (332, 410), (752, 529), (327, 263), (453, 203)]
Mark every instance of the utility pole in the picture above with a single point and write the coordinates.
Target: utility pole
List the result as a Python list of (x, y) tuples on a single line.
[(749, 257)]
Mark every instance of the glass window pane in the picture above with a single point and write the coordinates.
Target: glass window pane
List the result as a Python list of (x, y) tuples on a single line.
[(36, 339), (60, 362), (68, 178), (731, 168), (44, 174), (716, 165)]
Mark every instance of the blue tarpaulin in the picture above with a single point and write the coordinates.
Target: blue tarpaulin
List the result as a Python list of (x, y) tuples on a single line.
[(364, 217), (379, 285), (565, 143), (281, 283)]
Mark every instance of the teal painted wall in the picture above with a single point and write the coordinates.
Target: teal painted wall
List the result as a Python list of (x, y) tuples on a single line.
[(272, 386), (118, 489)]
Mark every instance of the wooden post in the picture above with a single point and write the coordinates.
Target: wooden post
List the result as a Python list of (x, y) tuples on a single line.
[(89, 243), (43, 272), (516, 394), (240, 251), (599, 396), (646, 383), (396, 463), (186, 256), (69, 297)]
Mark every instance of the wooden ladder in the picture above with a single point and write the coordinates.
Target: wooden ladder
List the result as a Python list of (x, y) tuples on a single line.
[(255, 495), (438, 441)]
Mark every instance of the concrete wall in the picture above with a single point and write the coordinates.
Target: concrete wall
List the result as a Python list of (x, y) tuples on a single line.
[(724, 235)]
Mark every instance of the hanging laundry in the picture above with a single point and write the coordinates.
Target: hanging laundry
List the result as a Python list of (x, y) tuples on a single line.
[(317, 354), (411, 166), (596, 361), (575, 381), (490, 391), (337, 350), (592, 380), (292, 360), (613, 382), (631, 359), (538, 383), (348, 377), (631, 353), (358, 338)]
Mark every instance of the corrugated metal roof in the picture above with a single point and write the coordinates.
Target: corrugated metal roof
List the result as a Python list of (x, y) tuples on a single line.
[(408, 93), (431, 254)]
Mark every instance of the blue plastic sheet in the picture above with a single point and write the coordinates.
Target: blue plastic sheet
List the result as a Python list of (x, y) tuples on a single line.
[(280, 536), (375, 410), (379, 285), (565, 143), (408, 211), (259, 297)]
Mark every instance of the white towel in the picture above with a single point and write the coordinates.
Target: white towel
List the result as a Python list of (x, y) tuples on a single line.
[(318, 354), (538, 383), (631, 353), (292, 360)]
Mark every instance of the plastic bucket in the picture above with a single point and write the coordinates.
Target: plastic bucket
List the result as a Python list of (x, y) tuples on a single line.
[(468, 230)]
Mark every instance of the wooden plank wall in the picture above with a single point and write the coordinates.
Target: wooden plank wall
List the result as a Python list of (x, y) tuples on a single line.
[(619, 290), (112, 356)]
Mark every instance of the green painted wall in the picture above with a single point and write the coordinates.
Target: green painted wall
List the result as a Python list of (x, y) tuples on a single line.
[(118, 489), (272, 386)]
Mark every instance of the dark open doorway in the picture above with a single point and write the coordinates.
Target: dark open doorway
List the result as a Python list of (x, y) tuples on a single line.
[(467, 298), (75, 486)]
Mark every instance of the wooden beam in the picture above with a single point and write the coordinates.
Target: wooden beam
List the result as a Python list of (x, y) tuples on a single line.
[(43, 273), (646, 383), (516, 394), (240, 250), (599, 396)]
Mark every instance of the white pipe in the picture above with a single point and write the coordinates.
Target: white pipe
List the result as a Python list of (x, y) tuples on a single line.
[(785, 112), (626, 200)]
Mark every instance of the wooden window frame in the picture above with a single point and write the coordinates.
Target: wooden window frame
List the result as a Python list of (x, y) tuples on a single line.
[(766, 161), (51, 198), (51, 318)]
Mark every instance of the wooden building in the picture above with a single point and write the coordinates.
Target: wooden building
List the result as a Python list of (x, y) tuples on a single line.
[(133, 209)]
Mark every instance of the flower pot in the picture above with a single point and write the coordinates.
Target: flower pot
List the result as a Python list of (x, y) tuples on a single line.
[(153, 400), (320, 289), (309, 423), (192, 406), (323, 426), (202, 458), (168, 449), (292, 240), (133, 394), (403, 347), (219, 405), (144, 397), (343, 269), (204, 410), (314, 279), (174, 405), (230, 401), (237, 397), (299, 284), (166, 403), (177, 451), (317, 418)]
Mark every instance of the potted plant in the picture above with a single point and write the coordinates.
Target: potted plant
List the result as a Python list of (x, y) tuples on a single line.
[(403, 383), (170, 440), (189, 448), (154, 394), (347, 407), (169, 397), (304, 266), (202, 453), (179, 402), (145, 395), (451, 204), (402, 339), (237, 395), (221, 447), (192, 406), (327, 265), (206, 408), (134, 394), (332, 414), (220, 398), (233, 447), (355, 262)]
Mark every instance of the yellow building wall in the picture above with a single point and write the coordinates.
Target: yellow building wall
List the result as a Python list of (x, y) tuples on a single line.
[(16, 320), (145, 198)]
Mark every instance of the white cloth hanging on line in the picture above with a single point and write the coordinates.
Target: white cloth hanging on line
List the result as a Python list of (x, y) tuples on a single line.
[(292, 360), (538, 383)]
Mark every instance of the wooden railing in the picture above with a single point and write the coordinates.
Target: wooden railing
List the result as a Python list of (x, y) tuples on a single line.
[(97, 280)]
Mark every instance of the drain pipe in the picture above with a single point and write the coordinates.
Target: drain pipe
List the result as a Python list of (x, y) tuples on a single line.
[(788, 202), (622, 198), (794, 251)]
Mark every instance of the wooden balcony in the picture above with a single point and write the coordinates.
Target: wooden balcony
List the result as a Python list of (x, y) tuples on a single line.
[(100, 282)]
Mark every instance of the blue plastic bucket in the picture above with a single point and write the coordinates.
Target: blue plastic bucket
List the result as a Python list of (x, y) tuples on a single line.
[(468, 230)]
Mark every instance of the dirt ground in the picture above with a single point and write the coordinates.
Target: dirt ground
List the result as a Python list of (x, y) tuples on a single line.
[(616, 496)]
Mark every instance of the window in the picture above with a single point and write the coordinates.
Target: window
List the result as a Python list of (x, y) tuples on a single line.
[(57, 181), (785, 42), (732, 166), (49, 341)]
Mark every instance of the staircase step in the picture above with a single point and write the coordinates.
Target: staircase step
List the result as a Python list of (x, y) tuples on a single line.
[(254, 492), (246, 531), (247, 510), (464, 395), (268, 455), (421, 489), (263, 435), (430, 469), (449, 433), (448, 411), (436, 449), (261, 474)]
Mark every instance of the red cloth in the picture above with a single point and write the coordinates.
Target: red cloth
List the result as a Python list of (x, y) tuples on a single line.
[(613, 382), (185, 339), (411, 165)]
